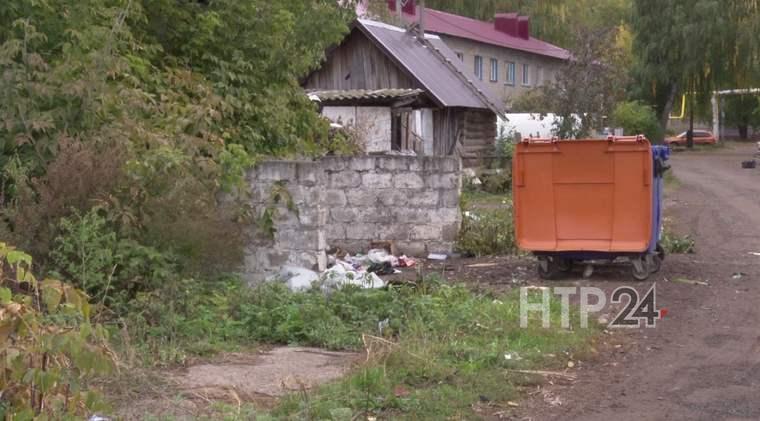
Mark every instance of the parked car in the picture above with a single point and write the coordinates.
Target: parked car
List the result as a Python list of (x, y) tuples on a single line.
[(701, 137)]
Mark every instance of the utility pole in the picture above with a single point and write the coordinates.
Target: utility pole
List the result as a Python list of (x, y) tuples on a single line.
[(690, 133)]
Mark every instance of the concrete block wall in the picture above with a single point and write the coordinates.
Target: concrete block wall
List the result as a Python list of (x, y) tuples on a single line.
[(299, 235), (413, 201), (348, 202)]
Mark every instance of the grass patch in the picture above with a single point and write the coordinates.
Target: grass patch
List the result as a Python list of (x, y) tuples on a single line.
[(487, 230), (450, 348), (674, 243)]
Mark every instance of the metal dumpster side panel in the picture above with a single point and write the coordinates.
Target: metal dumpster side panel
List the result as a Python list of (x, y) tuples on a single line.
[(583, 195)]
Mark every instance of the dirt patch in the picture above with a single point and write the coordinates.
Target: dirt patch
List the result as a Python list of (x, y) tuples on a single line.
[(239, 378), (272, 373)]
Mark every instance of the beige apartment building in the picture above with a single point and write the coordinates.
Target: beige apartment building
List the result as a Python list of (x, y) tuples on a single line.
[(501, 53)]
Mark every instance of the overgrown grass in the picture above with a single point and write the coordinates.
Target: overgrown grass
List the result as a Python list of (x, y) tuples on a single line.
[(449, 349), (487, 226)]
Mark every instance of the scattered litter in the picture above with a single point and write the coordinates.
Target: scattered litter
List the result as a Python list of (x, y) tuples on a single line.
[(690, 282), (297, 279), (437, 256), (98, 418), (749, 164), (382, 325), (512, 356), (738, 275), (406, 262), (513, 404), (337, 277), (570, 364), (754, 253), (482, 265), (559, 374)]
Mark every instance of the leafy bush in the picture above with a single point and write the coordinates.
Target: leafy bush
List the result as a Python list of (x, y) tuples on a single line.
[(637, 118), (110, 269), (488, 231), (49, 348)]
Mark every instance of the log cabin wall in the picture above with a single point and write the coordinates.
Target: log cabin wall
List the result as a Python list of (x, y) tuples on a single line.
[(468, 132), (358, 64)]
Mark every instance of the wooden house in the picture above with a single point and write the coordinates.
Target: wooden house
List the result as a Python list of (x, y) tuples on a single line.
[(411, 92)]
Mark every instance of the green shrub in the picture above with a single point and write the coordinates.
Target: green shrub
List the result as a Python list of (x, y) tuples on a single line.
[(111, 270), (50, 350), (488, 231), (637, 118)]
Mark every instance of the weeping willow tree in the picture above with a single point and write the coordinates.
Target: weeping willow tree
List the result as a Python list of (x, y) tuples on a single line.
[(695, 47)]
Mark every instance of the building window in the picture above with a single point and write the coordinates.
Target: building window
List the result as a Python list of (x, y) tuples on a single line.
[(510, 73), (526, 75), (479, 67), (494, 70), (460, 56)]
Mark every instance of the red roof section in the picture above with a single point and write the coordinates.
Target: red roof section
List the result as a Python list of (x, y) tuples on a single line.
[(439, 22)]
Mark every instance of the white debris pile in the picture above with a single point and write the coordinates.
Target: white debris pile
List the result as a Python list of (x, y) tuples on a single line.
[(362, 270)]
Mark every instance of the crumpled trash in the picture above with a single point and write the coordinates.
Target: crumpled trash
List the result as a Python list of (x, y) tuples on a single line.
[(406, 262), (297, 279), (382, 256), (437, 256), (337, 277)]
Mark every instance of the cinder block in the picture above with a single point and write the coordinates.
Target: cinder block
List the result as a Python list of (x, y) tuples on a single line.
[(423, 199), (411, 216), (277, 170), (374, 180), (408, 180), (362, 197), (394, 197), (335, 197), (426, 232), (449, 198), (361, 232), (442, 181), (412, 248), (344, 179), (394, 232), (310, 174), (361, 163), (344, 215), (393, 163), (335, 232), (450, 232)]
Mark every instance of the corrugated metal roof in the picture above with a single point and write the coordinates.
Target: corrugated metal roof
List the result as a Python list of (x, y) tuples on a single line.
[(434, 65), (357, 94), (459, 26)]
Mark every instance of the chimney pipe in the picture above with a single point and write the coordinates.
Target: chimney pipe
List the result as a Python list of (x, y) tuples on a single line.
[(523, 27), (506, 23), (422, 20)]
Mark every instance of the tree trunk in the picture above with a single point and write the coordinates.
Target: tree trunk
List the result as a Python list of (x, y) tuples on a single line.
[(665, 116), (743, 131), (690, 133)]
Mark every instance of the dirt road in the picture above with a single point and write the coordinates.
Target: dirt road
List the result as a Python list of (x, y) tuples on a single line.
[(703, 361)]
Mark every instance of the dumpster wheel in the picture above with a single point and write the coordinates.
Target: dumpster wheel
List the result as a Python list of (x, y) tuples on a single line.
[(640, 268), (550, 267)]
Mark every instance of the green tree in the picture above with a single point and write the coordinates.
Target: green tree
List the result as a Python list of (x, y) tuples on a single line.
[(693, 46), (637, 118), (743, 112)]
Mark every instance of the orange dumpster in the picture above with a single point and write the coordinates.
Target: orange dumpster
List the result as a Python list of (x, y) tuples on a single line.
[(584, 196)]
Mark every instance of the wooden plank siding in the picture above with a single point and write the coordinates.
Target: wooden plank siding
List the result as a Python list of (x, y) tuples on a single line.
[(358, 64)]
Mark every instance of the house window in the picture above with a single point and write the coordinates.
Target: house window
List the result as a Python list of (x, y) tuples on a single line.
[(460, 56), (510, 73), (479, 67), (526, 75), (494, 70)]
